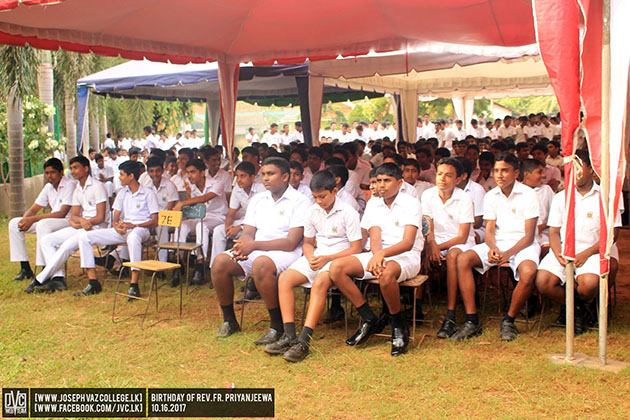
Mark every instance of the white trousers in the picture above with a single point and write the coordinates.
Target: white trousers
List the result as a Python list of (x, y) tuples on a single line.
[(202, 230), (17, 238), (57, 247), (133, 238), (219, 241)]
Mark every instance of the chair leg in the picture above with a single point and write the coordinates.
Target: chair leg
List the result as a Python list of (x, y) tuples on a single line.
[(542, 314), (413, 318), (244, 301), (149, 297), (181, 293)]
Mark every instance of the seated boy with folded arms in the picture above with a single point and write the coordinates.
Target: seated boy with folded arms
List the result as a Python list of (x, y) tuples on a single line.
[(332, 230), (450, 213), (551, 277), (511, 213), (273, 229), (394, 222)]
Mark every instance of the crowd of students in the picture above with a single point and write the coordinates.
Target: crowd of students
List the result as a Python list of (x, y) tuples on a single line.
[(330, 216)]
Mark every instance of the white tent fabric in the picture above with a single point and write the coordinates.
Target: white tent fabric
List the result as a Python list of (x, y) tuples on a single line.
[(446, 70)]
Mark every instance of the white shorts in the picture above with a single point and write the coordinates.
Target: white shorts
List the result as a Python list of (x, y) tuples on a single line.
[(550, 263), (302, 266), (530, 253), (281, 259), (409, 263)]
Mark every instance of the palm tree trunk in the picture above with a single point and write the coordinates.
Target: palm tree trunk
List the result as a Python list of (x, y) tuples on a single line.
[(104, 125), (71, 128), (45, 82), (16, 154)]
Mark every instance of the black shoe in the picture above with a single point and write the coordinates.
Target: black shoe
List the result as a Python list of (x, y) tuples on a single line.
[(280, 346), (198, 278), (89, 290), (271, 336), (24, 274), (365, 331), (175, 278), (125, 271), (58, 284), (400, 341), (31, 287), (248, 295), (107, 261), (508, 330), (297, 352), (227, 329), (334, 314), (133, 291), (408, 314), (580, 319), (561, 321), (383, 321), (469, 330), (447, 330)]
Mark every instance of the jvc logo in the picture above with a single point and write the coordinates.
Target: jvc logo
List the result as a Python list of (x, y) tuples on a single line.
[(15, 403)]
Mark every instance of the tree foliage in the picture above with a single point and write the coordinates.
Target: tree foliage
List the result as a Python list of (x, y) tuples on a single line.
[(368, 110)]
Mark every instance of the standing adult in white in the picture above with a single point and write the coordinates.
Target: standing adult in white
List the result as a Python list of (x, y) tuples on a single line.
[(56, 194), (90, 210)]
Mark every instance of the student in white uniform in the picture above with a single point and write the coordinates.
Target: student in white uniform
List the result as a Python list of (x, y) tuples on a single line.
[(477, 130), (203, 189), (212, 158), (394, 223), (551, 277), (450, 213), (511, 213), (271, 137), (411, 170), (167, 197), (251, 136), (332, 230), (272, 232), (532, 173), (56, 194), (296, 178), (135, 214), (341, 175), (90, 210), (477, 194), (245, 189), (552, 174), (104, 173), (297, 135)]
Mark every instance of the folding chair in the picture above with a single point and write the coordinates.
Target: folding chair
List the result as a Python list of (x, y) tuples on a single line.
[(196, 211), (165, 219)]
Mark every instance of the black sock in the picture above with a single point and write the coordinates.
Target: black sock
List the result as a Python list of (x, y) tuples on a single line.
[(474, 318), (289, 330), (228, 313), (397, 320), (24, 265), (508, 318), (450, 315), (385, 307), (94, 283), (199, 267), (335, 301), (366, 313), (419, 307), (276, 319), (305, 335), (134, 286)]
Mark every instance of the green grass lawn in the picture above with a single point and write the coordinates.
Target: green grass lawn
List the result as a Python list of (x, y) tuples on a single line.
[(62, 341)]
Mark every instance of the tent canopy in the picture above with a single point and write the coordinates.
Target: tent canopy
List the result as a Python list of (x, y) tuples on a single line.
[(442, 70), (254, 30), (199, 82)]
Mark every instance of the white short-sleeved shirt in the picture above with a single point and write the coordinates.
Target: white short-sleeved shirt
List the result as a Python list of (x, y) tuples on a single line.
[(303, 189), (477, 193), (353, 188), (405, 210), (216, 206), (545, 196), (448, 216), (273, 219), (477, 132), (421, 187), (511, 212), (224, 178), (239, 200), (506, 132), (109, 143), (363, 172), (180, 181), (297, 136), (251, 138), (488, 183), (271, 139), (531, 130), (332, 231), (166, 193), (428, 175), (410, 190), (551, 172), (587, 227), (107, 171), (136, 207), (88, 196), (56, 198), (346, 197)]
